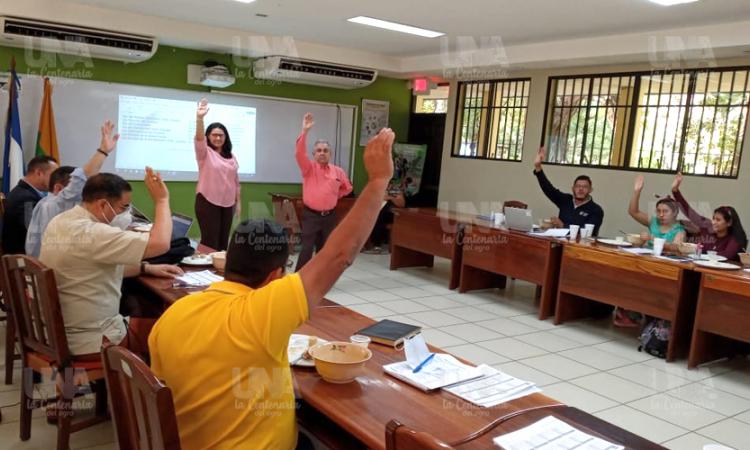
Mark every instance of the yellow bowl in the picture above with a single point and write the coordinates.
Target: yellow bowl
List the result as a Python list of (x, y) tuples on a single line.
[(219, 260), (745, 259), (687, 249), (340, 362), (635, 239)]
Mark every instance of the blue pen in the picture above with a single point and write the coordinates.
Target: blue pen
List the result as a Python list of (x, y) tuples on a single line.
[(423, 363)]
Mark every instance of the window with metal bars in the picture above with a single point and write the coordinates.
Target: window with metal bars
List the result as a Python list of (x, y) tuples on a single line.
[(491, 119), (692, 121)]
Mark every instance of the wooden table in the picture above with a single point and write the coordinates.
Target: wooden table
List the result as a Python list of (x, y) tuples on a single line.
[(723, 312), (490, 254), (287, 209), (653, 286), (418, 235), (354, 415)]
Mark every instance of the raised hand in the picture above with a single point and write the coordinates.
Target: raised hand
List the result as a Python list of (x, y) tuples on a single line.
[(539, 158), (156, 187), (677, 181), (307, 122), (202, 109), (378, 158), (109, 140), (638, 186)]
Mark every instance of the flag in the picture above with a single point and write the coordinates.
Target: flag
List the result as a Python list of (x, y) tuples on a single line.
[(13, 154), (46, 140)]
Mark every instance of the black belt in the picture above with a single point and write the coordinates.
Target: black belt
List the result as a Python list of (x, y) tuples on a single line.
[(320, 213)]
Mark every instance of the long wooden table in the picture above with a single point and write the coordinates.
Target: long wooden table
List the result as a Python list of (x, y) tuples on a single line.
[(491, 253), (355, 415), (653, 286), (722, 315), (418, 235)]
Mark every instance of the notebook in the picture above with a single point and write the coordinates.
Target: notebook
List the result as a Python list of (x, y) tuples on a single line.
[(389, 332), (442, 370)]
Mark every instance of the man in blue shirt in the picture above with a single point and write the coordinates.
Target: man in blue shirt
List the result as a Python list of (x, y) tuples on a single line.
[(577, 208), (65, 187)]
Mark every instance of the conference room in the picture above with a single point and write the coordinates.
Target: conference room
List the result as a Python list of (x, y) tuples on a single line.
[(326, 225)]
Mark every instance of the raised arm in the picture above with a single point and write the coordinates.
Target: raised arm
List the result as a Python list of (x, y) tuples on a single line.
[(634, 209), (106, 146), (704, 223), (160, 237), (552, 193), (200, 113), (300, 153), (319, 275)]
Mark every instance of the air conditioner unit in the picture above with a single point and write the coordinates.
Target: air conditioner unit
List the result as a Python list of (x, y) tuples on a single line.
[(317, 73), (75, 40)]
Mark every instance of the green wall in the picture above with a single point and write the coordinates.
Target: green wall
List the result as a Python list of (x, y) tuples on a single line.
[(168, 68)]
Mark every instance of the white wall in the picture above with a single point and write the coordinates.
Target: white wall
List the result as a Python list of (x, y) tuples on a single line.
[(483, 185)]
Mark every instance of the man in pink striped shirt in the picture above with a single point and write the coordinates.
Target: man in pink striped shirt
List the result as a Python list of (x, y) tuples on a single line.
[(323, 184)]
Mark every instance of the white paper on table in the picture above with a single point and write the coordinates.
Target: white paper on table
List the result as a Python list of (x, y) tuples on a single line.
[(638, 251), (200, 278), (552, 232), (552, 433), (416, 350), (442, 370), (493, 388)]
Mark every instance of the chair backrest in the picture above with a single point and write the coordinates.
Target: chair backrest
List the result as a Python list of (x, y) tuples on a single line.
[(35, 305), (514, 204), (142, 406), (401, 437)]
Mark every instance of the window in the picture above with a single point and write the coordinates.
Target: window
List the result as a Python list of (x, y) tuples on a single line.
[(436, 102), (491, 119), (693, 121)]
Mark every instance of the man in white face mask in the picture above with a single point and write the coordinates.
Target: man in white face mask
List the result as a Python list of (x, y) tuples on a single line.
[(91, 251)]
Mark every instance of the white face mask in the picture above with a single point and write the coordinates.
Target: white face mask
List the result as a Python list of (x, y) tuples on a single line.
[(122, 220)]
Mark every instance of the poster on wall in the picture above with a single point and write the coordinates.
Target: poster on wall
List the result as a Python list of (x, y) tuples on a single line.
[(408, 164), (374, 117)]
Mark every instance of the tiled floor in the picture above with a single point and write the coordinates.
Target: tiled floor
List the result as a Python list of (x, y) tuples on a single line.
[(587, 364)]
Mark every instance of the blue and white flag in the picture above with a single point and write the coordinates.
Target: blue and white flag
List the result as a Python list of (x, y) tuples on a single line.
[(13, 155)]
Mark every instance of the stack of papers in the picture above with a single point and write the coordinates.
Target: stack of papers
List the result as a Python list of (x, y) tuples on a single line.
[(492, 388), (552, 232), (552, 433), (442, 370), (638, 251), (201, 278)]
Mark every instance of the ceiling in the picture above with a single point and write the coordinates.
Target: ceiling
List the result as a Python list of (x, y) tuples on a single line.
[(484, 38), (513, 21)]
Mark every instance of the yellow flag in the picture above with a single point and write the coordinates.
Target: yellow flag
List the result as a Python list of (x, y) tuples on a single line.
[(46, 141)]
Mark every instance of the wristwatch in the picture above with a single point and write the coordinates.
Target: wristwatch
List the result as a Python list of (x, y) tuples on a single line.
[(102, 152)]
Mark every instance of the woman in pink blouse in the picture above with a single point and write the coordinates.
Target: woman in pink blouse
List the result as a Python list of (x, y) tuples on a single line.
[(218, 191)]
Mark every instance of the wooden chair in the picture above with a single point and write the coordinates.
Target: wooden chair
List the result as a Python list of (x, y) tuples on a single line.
[(514, 204), (11, 354), (401, 437), (143, 410), (35, 306)]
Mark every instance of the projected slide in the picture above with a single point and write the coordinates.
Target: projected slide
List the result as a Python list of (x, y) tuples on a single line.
[(159, 132)]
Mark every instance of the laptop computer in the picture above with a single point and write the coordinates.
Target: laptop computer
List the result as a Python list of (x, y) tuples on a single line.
[(180, 225), (519, 219), (138, 216)]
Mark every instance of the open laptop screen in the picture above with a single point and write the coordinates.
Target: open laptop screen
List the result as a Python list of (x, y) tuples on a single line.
[(180, 225)]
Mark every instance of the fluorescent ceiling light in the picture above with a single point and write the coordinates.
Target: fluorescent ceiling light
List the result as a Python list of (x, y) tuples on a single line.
[(244, 1), (395, 26), (671, 2)]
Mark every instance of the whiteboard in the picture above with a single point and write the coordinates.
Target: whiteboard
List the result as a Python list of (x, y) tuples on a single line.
[(81, 106)]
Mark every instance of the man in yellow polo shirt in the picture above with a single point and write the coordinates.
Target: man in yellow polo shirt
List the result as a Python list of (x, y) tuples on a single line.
[(223, 352)]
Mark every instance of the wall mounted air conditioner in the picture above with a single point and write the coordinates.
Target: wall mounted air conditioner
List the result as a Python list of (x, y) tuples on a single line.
[(38, 35), (303, 71)]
